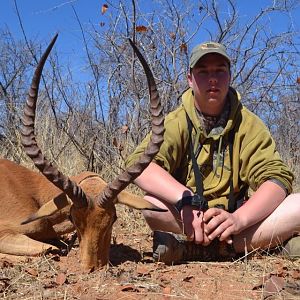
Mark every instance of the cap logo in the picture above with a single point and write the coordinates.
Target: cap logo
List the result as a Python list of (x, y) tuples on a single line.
[(208, 46)]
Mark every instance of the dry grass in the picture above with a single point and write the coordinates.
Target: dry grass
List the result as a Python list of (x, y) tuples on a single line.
[(133, 274)]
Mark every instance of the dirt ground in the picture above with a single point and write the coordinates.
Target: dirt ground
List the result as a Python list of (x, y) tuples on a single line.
[(132, 274)]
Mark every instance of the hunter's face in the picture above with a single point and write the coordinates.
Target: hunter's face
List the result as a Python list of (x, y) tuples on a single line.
[(210, 80)]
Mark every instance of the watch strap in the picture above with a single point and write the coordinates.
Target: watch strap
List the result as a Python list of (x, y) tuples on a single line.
[(198, 202)]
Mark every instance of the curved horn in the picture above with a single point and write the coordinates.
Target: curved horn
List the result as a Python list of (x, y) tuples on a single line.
[(129, 175), (31, 147)]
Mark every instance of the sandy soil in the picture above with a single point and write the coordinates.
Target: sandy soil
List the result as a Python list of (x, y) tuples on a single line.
[(132, 274)]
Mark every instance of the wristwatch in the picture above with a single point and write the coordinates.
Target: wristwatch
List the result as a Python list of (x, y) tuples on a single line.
[(199, 202)]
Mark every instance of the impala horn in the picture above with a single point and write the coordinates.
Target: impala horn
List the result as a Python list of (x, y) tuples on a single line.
[(31, 147), (124, 179)]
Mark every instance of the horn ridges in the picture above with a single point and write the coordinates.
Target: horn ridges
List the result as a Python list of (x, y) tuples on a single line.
[(123, 180), (31, 147)]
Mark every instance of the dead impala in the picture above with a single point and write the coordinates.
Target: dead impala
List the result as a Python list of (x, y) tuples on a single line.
[(36, 207)]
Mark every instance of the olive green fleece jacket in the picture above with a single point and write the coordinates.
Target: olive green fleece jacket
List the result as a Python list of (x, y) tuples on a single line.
[(255, 158)]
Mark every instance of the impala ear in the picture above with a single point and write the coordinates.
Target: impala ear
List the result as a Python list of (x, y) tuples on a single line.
[(49, 208), (137, 202)]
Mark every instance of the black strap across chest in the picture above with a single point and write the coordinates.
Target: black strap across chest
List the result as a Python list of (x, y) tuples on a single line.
[(198, 175)]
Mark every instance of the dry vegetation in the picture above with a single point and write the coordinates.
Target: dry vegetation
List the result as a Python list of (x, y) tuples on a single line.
[(132, 274), (93, 126)]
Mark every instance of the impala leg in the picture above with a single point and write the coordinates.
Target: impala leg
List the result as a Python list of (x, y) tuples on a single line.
[(19, 244)]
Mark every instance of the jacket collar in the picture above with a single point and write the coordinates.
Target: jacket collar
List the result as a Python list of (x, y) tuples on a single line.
[(189, 106)]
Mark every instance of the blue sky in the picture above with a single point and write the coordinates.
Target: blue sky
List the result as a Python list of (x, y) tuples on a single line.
[(43, 18)]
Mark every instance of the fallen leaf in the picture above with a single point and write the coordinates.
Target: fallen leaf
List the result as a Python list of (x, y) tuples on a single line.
[(295, 274), (274, 285), (142, 270), (104, 8), (129, 288), (32, 272), (61, 278), (281, 270), (298, 80), (188, 278)]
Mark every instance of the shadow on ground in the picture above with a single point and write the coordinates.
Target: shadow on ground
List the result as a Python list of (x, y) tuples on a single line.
[(121, 253)]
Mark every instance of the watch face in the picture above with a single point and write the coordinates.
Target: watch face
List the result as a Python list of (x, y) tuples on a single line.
[(200, 202), (195, 200)]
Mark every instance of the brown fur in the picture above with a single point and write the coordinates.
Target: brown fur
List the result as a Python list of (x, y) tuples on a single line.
[(24, 194), (36, 210)]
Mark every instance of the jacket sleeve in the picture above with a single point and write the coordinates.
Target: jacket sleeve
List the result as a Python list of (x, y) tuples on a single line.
[(259, 159), (172, 149)]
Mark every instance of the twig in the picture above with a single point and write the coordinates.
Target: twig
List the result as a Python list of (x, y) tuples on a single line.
[(246, 255)]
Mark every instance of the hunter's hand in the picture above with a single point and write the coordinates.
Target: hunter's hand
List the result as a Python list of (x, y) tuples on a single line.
[(193, 225), (221, 224)]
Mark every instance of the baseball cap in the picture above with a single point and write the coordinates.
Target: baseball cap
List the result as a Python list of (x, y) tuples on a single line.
[(206, 48)]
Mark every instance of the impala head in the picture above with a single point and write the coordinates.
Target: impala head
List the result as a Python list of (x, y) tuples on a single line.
[(92, 200)]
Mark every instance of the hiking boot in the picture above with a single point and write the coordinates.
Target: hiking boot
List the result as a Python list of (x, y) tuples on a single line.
[(291, 248), (173, 248)]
